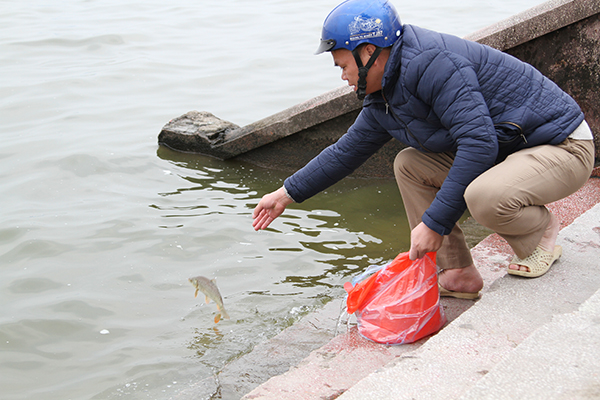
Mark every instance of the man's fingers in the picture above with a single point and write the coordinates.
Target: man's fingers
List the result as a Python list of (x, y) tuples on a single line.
[(262, 221), (266, 222), (257, 223), (269, 207), (415, 254), (412, 255), (256, 215)]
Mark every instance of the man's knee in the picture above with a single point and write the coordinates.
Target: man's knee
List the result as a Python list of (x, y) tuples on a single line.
[(404, 159), (487, 204), (403, 163)]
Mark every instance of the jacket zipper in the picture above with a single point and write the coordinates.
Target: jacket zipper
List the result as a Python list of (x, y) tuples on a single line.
[(397, 118)]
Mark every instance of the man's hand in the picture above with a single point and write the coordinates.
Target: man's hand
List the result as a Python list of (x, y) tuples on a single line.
[(270, 207), (423, 240)]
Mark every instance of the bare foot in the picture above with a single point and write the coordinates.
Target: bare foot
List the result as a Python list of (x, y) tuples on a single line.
[(548, 240), (466, 279)]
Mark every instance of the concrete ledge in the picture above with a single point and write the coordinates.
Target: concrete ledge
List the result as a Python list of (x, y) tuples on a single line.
[(290, 121), (535, 22), (233, 141)]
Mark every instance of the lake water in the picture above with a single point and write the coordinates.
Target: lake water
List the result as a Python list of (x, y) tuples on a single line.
[(100, 228)]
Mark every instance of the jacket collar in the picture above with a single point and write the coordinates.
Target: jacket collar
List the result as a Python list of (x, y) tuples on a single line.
[(392, 67), (391, 73)]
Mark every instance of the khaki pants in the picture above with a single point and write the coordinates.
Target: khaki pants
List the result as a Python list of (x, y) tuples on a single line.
[(509, 198)]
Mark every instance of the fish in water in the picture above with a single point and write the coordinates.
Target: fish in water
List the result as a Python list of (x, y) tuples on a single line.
[(211, 291)]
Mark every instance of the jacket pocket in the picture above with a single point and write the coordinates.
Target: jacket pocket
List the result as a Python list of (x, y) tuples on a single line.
[(509, 132)]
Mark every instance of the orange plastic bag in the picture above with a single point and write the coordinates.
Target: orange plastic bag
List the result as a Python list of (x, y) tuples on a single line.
[(399, 303)]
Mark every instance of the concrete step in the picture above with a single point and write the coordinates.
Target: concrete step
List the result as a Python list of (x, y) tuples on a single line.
[(454, 362), (559, 360), (330, 370)]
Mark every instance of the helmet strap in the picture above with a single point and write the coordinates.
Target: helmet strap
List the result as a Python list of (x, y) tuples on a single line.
[(363, 71)]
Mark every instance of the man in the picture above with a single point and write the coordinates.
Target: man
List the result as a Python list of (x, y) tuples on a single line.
[(486, 131)]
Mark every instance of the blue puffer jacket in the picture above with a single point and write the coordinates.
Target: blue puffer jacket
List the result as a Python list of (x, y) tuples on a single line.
[(442, 93)]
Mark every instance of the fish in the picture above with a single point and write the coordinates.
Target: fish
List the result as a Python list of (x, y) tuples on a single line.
[(211, 291)]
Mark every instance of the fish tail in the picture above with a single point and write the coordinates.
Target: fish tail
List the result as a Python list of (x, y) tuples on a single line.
[(225, 315)]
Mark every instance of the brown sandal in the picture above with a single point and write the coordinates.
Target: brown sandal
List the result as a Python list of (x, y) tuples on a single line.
[(457, 295)]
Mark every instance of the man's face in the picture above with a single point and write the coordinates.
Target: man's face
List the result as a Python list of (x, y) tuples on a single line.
[(344, 59)]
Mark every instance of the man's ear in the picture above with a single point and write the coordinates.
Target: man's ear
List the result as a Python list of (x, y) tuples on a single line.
[(370, 49), (366, 51)]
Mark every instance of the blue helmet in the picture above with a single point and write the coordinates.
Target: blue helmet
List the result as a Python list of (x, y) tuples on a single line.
[(355, 22)]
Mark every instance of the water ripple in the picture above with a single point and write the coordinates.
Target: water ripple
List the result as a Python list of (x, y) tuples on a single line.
[(91, 43), (33, 285)]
